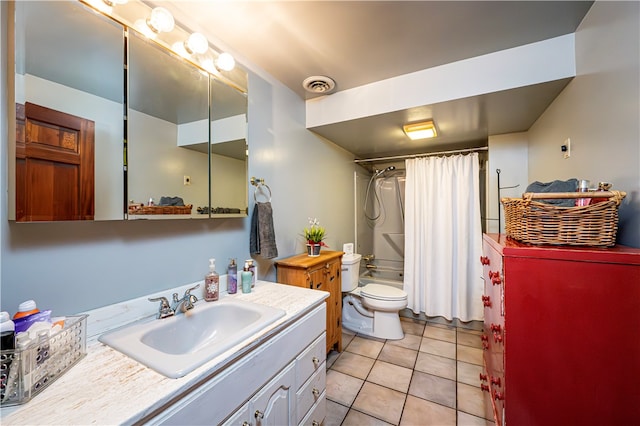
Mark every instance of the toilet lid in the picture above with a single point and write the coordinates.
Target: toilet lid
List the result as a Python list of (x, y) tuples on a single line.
[(383, 292)]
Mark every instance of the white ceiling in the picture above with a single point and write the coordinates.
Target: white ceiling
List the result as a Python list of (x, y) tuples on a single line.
[(359, 42)]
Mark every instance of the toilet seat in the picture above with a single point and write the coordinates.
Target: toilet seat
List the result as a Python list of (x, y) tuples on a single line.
[(383, 292)]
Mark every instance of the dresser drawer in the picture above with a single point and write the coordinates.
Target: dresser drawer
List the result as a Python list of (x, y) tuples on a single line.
[(311, 391), (310, 360), (318, 412)]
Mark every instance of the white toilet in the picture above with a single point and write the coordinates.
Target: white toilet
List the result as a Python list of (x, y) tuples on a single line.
[(371, 310)]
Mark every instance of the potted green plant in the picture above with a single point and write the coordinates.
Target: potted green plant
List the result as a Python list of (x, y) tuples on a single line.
[(314, 236)]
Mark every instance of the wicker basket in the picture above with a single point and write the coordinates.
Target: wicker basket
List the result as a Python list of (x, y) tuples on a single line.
[(141, 209), (541, 223)]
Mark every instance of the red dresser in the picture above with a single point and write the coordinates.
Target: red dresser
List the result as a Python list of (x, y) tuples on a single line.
[(561, 333)]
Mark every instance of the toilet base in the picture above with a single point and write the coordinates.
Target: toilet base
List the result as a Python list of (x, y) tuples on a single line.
[(358, 319)]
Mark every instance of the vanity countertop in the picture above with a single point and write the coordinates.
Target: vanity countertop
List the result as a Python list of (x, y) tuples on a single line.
[(107, 387)]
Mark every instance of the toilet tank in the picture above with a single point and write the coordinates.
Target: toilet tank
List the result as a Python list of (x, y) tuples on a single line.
[(350, 271)]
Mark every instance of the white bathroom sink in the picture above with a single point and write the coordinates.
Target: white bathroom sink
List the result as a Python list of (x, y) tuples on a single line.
[(177, 345)]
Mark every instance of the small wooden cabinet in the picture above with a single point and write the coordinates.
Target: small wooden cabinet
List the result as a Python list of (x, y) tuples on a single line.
[(319, 273), (560, 333)]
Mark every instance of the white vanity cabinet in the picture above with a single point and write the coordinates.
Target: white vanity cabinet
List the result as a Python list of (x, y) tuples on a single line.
[(281, 382)]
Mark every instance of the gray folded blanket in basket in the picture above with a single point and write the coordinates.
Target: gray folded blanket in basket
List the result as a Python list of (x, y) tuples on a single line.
[(570, 185)]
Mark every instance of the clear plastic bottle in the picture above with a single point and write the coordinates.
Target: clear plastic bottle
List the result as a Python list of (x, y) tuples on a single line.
[(232, 277), (212, 283)]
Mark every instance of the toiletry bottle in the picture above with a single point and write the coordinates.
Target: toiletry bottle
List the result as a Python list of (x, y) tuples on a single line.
[(246, 278), (232, 277), (7, 342), (252, 269), (26, 308), (584, 187), (211, 283)]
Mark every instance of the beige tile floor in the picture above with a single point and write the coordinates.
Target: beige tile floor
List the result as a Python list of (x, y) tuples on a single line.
[(428, 378)]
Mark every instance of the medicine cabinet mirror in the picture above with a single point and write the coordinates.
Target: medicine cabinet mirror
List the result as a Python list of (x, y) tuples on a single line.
[(86, 161)]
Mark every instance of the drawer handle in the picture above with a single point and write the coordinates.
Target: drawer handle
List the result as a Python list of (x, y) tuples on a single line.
[(484, 388), (484, 260), (315, 423), (259, 414), (496, 327), (315, 361), (485, 346), (497, 338), (315, 392), (245, 424), (483, 377), (486, 301), (498, 396), (495, 381), (484, 338)]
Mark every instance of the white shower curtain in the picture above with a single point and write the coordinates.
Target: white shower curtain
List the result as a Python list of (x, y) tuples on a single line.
[(443, 237)]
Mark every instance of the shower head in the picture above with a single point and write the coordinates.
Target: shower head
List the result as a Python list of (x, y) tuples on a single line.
[(388, 169)]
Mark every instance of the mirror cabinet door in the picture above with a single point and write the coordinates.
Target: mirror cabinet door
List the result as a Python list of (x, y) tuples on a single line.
[(69, 114), (167, 136), (229, 174)]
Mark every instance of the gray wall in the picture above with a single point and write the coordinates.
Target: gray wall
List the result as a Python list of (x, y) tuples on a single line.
[(600, 111), (73, 267)]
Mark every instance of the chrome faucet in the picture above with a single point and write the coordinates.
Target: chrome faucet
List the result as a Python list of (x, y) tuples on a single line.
[(368, 257), (186, 303), (179, 305)]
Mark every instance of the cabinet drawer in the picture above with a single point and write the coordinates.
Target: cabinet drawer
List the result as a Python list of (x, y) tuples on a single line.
[(316, 415), (310, 392), (309, 361)]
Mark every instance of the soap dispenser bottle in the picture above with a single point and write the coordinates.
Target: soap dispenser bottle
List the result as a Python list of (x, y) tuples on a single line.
[(246, 278), (232, 277), (211, 283)]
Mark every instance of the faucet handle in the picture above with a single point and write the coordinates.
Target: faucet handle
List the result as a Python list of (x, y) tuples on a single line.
[(165, 309), (187, 292)]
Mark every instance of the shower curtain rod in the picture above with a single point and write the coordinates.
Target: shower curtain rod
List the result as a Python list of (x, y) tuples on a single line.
[(427, 154)]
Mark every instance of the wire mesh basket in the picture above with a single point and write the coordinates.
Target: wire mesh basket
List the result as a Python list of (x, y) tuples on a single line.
[(27, 372), (534, 222)]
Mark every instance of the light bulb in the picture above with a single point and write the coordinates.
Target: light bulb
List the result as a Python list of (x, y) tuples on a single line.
[(142, 27), (180, 49), (196, 43), (206, 61), (225, 62), (160, 20)]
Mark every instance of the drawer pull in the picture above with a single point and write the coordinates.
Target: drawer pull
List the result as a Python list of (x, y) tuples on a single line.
[(484, 388), (259, 414), (484, 338), (486, 301), (245, 424), (315, 423), (315, 361), (498, 396), (483, 377), (495, 381), (496, 328), (497, 338), (485, 346), (484, 260), (315, 392)]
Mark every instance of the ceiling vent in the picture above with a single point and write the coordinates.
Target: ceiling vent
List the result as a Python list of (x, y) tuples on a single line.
[(319, 84)]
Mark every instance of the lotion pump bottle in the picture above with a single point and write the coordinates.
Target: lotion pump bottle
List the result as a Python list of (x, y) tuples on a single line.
[(211, 283), (232, 277), (246, 278)]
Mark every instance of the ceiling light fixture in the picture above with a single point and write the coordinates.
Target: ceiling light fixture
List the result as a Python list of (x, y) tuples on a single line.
[(160, 20), (423, 130), (225, 62), (196, 43)]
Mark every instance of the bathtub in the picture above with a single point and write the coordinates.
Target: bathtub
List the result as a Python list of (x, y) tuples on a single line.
[(387, 276)]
